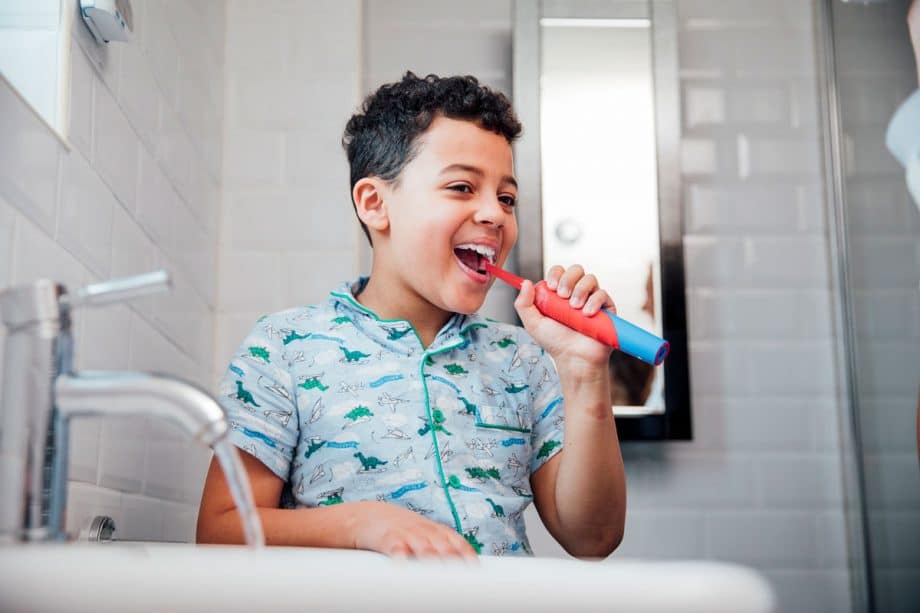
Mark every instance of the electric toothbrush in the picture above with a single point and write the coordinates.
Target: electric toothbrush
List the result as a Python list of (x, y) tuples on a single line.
[(603, 326)]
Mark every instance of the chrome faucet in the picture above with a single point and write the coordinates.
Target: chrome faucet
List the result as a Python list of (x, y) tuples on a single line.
[(41, 393)]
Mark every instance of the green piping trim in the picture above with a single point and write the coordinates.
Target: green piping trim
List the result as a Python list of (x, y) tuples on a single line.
[(364, 309), (500, 427), (472, 325), (421, 368), (434, 435)]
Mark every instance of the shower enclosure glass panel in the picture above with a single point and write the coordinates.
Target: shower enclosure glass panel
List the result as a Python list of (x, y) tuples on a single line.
[(878, 241)]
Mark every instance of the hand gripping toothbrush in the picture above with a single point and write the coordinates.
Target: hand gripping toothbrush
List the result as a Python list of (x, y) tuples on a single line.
[(603, 326)]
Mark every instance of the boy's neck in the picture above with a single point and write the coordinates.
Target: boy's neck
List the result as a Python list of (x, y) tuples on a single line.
[(426, 318)]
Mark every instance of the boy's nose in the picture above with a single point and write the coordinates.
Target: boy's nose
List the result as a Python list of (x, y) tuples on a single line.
[(491, 212)]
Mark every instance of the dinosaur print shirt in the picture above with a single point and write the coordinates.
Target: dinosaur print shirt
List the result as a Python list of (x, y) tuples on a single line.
[(347, 407)]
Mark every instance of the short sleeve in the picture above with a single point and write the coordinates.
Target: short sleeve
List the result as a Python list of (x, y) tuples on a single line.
[(901, 137), (904, 143), (258, 396), (546, 401)]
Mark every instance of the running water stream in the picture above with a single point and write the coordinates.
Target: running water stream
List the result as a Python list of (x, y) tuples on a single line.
[(238, 483)]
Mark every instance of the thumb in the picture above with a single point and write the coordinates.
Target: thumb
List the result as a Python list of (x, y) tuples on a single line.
[(524, 305)]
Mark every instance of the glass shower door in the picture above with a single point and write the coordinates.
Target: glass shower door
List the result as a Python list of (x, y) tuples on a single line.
[(878, 243)]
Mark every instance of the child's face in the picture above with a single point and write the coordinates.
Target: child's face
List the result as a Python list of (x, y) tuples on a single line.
[(459, 189)]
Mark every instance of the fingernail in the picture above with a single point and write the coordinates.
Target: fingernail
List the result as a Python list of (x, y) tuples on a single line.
[(575, 300), (551, 283), (563, 291)]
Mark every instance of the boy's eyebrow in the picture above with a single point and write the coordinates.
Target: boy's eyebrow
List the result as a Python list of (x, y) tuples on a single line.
[(475, 171)]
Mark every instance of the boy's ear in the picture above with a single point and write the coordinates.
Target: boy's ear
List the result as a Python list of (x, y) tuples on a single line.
[(370, 203)]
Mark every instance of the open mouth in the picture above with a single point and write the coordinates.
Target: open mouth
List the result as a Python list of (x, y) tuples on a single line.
[(474, 257)]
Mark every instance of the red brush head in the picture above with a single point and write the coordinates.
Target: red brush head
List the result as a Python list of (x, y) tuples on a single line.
[(512, 280)]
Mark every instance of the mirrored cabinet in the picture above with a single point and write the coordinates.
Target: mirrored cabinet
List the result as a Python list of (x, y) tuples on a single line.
[(596, 86)]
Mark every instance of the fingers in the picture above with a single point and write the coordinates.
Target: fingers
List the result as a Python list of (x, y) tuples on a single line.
[(524, 305), (400, 533), (424, 547), (553, 275), (462, 547), (597, 301), (447, 544), (564, 281), (399, 550), (582, 290), (436, 542)]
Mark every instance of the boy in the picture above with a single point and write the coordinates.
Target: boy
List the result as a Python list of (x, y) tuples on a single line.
[(403, 422)]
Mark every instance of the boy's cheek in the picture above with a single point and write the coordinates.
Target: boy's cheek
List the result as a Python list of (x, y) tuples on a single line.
[(510, 241)]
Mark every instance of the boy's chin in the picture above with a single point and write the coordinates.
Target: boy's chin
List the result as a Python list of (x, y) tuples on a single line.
[(466, 305), (467, 308)]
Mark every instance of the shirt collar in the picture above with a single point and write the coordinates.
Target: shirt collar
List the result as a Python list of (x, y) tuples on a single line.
[(391, 332)]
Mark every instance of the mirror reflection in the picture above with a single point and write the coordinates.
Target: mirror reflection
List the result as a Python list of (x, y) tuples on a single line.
[(600, 201)]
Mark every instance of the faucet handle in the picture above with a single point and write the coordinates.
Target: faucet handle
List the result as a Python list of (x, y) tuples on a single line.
[(118, 290)]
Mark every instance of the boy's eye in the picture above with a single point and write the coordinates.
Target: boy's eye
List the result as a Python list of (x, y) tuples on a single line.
[(465, 188)]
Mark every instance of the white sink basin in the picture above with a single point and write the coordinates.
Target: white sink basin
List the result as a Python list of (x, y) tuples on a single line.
[(160, 577)]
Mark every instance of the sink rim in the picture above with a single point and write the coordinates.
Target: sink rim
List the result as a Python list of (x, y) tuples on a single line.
[(122, 575)]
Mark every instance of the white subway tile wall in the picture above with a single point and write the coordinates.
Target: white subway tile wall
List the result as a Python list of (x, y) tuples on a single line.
[(471, 38), (81, 101), (115, 146), (760, 483), (138, 189), (7, 225), (288, 233), (763, 470), (84, 225)]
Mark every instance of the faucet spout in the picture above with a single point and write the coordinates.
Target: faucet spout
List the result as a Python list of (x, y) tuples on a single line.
[(123, 394), (35, 416)]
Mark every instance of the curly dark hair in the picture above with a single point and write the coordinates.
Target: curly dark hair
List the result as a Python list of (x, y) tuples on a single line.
[(381, 138)]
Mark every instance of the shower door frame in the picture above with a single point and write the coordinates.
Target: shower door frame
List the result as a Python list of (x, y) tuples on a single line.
[(855, 509)]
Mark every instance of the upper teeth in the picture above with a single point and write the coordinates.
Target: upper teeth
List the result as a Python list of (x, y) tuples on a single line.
[(480, 249)]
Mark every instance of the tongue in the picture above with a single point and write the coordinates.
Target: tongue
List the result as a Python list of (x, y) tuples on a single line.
[(470, 259)]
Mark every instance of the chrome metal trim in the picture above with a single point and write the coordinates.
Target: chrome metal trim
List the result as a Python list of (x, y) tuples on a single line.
[(528, 254), (677, 422), (101, 530), (118, 290), (124, 394), (855, 509), (34, 324)]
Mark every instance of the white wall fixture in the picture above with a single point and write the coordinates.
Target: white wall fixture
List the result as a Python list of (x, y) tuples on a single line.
[(108, 20)]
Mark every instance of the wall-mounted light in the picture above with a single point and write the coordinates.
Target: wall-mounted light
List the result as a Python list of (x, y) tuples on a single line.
[(108, 20)]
